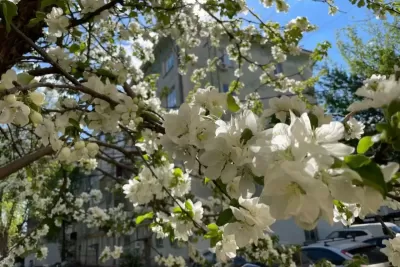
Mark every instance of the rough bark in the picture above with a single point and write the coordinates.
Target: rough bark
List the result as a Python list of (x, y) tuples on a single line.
[(3, 244), (20, 163), (12, 47)]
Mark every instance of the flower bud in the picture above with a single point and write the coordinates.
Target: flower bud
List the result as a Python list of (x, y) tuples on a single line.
[(93, 149), (36, 117), (64, 154), (79, 145), (10, 99), (37, 98)]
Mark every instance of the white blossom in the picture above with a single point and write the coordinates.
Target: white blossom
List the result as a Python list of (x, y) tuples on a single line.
[(355, 129), (57, 22)]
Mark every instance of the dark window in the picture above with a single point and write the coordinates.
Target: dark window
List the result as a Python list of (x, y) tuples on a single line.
[(311, 235), (225, 88), (169, 63), (346, 234), (171, 98), (127, 240), (373, 254), (174, 244), (396, 229), (159, 242), (318, 254), (278, 68), (118, 171), (226, 60)]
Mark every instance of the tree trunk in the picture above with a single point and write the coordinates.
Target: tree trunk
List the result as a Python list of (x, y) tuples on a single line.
[(11, 45), (3, 244)]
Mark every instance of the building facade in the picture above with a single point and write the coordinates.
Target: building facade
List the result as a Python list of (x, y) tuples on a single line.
[(86, 244)]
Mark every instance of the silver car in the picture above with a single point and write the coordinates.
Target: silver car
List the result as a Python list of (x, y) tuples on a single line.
[(340, 252)]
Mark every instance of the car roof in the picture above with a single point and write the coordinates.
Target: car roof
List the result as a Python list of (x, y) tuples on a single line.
[(347, 229), (340, 246), (372, 224)]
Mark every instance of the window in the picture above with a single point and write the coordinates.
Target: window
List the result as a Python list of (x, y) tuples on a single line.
[(118, 171), (174, 244), (226, 60), (127, 240), (169, 63), (396, 229), (159, 242), (372, 252), (225, 88), (171, 98), (317, 254), (278, 68), (345, 234), (311, 235)]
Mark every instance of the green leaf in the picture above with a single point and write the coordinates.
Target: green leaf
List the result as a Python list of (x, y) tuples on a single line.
[(380, 127), (247, 134), (212, 227), (232, 105), (337, 163), (177, 210), (214, 241), (143, 217), (33, 22), (178, 172), (393, 107), (188, 206), (373, 177), (46, 3), (395, 120), (10, 10), (356, 161), (361, 3), (225, 217), (313, 120), (74, 123), (74, 48), (206, 180), (234, 203), (396, 145), (364, 144)]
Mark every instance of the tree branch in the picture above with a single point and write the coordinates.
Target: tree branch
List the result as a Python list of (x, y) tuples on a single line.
[(20, 163), (93, 14), (114, 162)]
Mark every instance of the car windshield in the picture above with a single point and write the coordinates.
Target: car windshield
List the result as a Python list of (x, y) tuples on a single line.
[(373, 254), (396, 229)]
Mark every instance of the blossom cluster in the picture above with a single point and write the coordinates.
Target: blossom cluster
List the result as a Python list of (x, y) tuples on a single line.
[(170, 261)]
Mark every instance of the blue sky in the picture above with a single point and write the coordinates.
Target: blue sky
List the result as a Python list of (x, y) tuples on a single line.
[(317, 13)]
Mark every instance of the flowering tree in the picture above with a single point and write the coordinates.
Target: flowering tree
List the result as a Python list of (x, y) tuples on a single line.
[(70, 88)]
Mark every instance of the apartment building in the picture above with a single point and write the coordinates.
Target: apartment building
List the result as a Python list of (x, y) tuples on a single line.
[(85, 244), (166, 65)]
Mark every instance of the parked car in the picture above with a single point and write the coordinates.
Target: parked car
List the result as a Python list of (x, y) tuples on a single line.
[(377, 241), (338, 253), (376, 228)]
